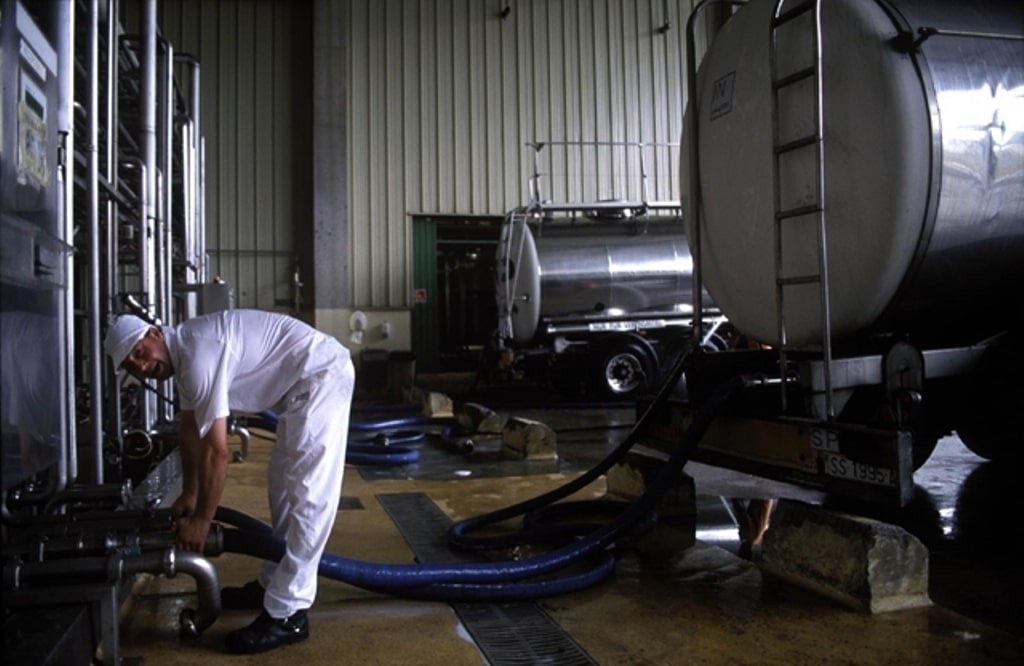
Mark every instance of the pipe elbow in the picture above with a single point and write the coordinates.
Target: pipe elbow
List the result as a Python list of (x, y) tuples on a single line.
[(192, 622)]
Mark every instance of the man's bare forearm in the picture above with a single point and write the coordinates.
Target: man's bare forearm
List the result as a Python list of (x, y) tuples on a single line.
[(189, 450), (212, 469)]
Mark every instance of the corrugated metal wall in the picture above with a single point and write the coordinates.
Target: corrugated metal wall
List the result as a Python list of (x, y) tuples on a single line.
[(443, 95)]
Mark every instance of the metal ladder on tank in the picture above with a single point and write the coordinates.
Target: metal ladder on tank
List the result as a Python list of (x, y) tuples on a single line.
[(785, 218)]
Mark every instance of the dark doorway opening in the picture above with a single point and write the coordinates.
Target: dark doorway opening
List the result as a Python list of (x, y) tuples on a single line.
[(465, 278), (464, 311)]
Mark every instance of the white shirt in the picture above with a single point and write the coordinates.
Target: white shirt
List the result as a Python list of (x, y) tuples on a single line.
[(244, 360)]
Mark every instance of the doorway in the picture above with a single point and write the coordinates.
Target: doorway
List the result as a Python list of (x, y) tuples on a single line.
[(455, 312)]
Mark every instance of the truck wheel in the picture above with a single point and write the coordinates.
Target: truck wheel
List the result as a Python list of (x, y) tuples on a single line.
[(623, 370), (998, 441), (994, 405)]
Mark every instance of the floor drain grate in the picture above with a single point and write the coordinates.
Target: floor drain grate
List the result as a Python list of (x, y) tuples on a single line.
[(506, 633), (350, 504)]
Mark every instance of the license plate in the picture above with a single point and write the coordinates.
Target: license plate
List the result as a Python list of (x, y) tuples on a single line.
[(841, 467), (636, 325)]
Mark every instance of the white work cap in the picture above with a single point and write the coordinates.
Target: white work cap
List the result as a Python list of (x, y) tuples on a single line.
[(122, 334)]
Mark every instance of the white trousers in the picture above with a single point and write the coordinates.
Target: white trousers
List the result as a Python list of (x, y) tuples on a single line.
[(304, 480)]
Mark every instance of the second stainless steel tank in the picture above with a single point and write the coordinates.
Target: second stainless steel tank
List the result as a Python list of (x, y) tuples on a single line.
[(590, 269)]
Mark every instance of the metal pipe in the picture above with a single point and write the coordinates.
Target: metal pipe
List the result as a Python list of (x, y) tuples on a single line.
[(194, 240), (93, 307), (244, 434), (204, 271), (148, 145), (147, 400), (192, 623), (101, 539), (116, 566), (110, 519), (165, 153), (63, 21), (111, 388), (691, 130), (188, 213), (121, 493)]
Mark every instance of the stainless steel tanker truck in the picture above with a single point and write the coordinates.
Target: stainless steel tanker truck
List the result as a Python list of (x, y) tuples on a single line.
[(854, 174), (594, 300)]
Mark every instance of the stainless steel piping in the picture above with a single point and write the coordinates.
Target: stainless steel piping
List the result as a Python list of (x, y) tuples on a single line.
[(115, 567), (148, 146), (64, 17), (121, 493), (165, 150), (94, 310), (194, 240), (147, 400), (111, 387)]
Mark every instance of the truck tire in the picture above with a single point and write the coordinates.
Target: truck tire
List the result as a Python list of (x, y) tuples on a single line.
[(624, 367), (993, 416)]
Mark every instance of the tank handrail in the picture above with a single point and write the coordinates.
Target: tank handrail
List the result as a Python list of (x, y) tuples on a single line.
[(925, 33), (644, 203), (694, 204)]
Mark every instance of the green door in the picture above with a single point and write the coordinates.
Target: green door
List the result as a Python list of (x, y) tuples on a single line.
[(425, 343)]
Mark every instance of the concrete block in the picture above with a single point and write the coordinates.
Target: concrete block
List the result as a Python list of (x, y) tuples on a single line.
[(631, 477), (862, 563), (524, 439), (431, 403), (477, 419)]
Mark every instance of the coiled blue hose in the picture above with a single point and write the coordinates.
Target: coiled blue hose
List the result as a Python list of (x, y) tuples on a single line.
[(379, 449), (514, 580)]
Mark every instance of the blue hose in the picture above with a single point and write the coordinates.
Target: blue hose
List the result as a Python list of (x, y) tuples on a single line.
[(439, 582), (502, 581), (378, 449)]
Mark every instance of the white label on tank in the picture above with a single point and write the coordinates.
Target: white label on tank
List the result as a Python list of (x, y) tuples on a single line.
[(32, 60), (721, 95)]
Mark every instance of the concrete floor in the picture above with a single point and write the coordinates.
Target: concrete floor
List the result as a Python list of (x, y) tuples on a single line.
[(673, 598)]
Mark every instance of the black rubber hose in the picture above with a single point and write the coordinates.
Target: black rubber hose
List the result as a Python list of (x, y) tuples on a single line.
[(458, 533)]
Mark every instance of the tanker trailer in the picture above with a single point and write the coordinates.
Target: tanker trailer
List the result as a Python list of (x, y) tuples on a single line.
[(595, 303), (859, 171)]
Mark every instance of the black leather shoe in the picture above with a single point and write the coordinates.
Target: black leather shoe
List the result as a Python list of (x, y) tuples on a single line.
[(249, 595), (266, 633)]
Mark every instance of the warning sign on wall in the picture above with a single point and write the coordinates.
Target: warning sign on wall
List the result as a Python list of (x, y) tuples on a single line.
[(419, 295)]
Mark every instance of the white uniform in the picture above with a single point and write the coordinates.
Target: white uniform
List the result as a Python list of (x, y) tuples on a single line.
[(250, 361)]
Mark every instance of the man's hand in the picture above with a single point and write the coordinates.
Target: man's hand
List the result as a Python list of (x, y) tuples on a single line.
[(185, 505), (192, 532)]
